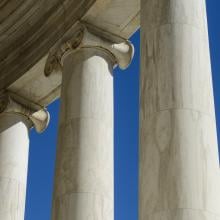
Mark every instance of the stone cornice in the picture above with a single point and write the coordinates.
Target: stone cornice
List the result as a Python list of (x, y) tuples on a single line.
[(11, 103), (29, 29), (87, 36)]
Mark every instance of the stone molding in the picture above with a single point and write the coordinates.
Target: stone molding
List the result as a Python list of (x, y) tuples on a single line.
[(37, 115), (87, 36)]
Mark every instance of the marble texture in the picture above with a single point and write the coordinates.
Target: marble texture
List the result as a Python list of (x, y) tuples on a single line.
[(178, 70), (179, 162), (183, 214), (28, 85), (14, 104), (30, 28), (121, 17), (161, 12), (179, 173), (14, 148), (84, 186)]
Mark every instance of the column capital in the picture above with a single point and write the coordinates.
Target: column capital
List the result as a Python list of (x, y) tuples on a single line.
[(13, 104), (87, 36)]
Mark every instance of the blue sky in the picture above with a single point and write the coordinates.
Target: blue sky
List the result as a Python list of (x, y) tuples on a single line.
[(126, 93)]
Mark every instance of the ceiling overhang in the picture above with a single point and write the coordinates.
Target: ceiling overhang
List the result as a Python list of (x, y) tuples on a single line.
[(29, 29)]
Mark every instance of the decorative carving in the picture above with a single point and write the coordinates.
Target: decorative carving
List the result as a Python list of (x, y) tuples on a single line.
[(11, 103), (88, 36)]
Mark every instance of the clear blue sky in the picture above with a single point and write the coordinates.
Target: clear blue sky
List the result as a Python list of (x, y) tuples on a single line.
[(126, 92)]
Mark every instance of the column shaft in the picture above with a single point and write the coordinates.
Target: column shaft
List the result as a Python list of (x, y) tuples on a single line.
[(84, 169), (179, 166), (14, 148)]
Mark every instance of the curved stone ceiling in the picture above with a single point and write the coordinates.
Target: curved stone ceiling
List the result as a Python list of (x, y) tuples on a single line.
[(29, 28)]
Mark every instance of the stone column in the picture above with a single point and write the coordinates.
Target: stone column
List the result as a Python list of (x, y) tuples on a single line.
[(15, 121), (84, 181), (179, 166)]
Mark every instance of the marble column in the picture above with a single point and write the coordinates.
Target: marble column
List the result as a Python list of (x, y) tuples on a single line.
[(84, 181), (15, 122), (179, 167)]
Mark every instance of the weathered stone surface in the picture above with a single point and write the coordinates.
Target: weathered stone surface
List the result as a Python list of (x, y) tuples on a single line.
[(25, 74), (84, 180), (179, 165), (84, 183), (29, 29), (121, 17), (14, 148)]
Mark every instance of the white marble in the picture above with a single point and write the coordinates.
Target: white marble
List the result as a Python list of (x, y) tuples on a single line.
[(179, 165), (183, 214), (13, 104), (178, 162), (161, 12), (14, 148), (178, 73), (84, 185), (79, 206), (121, 17)]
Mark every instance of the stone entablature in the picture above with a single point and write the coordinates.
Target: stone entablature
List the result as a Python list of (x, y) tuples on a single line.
[(33, 27), (30, 28)]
